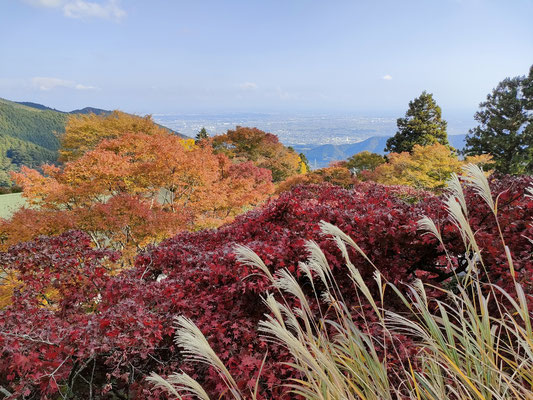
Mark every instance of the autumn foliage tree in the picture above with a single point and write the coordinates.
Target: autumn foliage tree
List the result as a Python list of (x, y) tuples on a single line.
[(134, 189), (83, 132), (363, 161), (261, 148), (426, 167), (337, 175)]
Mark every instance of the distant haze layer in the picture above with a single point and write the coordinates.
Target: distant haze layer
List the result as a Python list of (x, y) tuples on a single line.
[(299, 130)]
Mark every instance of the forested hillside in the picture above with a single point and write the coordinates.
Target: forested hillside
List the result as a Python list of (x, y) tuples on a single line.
[(29, 134), (31, 124), (27, 137)]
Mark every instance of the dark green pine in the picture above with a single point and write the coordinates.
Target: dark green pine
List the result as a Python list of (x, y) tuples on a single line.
[(422, 125)]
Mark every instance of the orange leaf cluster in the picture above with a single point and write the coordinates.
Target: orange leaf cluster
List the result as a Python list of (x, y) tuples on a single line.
[(336, 174), (84, 132), (136, 189), (263, 149)]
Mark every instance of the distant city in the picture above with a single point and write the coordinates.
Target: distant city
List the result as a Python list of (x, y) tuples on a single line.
[(322, 138), (297, 130)]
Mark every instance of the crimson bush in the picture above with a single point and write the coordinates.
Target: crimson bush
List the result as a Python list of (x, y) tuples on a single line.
[(99, 334)]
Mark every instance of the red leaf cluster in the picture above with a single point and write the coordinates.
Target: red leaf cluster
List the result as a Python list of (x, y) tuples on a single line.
[(105, 333)]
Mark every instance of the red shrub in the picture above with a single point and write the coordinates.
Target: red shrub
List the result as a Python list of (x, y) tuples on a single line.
[(120, 327)]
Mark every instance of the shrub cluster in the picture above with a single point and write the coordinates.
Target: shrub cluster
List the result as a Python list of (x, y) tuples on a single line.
[(78, 327)]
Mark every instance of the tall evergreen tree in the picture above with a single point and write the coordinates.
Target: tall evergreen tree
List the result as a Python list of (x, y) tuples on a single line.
[(422, 124), (201, 135), (505, 127)]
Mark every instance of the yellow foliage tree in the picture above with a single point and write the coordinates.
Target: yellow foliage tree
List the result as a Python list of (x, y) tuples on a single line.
[(427, 167), (83, 132)]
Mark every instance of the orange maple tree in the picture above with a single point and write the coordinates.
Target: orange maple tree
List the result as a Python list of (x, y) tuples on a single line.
[(135, 189), (83, 132), (263, 149)]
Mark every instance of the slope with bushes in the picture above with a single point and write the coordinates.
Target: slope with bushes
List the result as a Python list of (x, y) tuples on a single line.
[(83, 317), (472, 340)]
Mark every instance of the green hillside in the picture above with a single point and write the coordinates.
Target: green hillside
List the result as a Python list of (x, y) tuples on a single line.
[(31, 124), (27, 137), (29, 134)]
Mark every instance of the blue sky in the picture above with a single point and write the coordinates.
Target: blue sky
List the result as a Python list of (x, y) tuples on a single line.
[(173, 56)]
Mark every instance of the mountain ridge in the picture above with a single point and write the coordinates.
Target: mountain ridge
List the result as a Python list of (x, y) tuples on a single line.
[(321, 156), (29, 134)]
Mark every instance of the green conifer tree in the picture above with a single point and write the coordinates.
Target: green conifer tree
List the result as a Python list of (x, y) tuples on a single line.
[(422, 125), (505, 127), (201, 135)]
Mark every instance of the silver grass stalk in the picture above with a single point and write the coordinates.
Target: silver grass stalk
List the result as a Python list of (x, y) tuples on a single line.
[(330, 229), (476, 179), (427, 225), (456, 190), (356, 277), (342, 247), (273, 331), (274, 307), (286, 282), (196, 348), (247, 256), (458, 218), (178, 382), (161, 383), (317, 261), (307, 272)]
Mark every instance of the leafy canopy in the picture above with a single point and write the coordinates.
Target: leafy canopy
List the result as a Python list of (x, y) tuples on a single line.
[(83, 132), (422, 125), (336, 175), (427, 167), (263, 149), (120, 325), (505, 127), (135, 189), (363, 161)]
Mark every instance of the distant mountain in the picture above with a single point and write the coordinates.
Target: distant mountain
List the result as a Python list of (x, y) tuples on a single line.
[(86, 110), (322, 155), (29, 134), (36, 105), (90, 110)]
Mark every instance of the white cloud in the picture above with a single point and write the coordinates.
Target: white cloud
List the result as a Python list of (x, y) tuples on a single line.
[(387, 78), (108, 9), (79, 86), (47, 83), (88, 9), (248, 86), (46, 3)]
